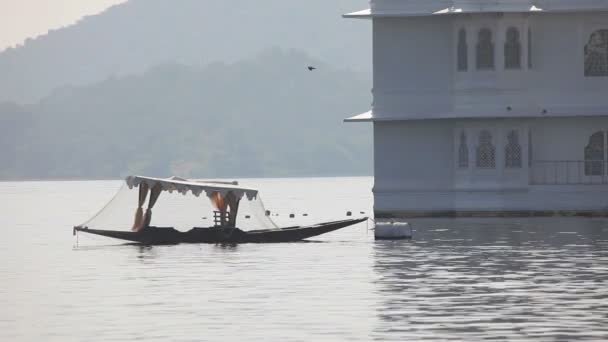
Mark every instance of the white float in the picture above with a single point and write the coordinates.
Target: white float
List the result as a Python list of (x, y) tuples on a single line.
[(392, 231)]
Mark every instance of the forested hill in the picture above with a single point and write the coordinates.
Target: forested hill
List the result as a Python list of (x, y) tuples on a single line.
[(134, 36), (266, 116)]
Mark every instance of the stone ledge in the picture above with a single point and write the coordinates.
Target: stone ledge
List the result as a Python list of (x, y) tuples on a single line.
[(389, 214)]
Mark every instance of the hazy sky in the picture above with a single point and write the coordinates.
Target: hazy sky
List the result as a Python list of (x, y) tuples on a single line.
[(20, 19)]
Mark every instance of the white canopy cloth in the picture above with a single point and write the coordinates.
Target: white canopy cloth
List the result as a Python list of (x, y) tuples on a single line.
[(180, 212), (196, 187)]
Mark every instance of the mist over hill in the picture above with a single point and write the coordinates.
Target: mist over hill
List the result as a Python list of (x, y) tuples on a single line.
[(134, 36), (266, 116)]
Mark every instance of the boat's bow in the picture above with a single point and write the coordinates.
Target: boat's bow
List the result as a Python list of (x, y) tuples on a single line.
[(299, 233)]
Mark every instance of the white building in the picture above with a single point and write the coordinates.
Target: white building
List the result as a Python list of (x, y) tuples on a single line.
[(489, 107)]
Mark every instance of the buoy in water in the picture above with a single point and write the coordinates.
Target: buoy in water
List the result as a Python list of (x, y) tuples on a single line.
[(393, 231), (349, 213)]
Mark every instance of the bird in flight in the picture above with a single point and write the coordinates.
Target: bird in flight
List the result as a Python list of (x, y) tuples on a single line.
[(311, 68)]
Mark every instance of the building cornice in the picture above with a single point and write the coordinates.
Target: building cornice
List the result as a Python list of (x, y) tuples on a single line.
[(422, 8), (370, 116)]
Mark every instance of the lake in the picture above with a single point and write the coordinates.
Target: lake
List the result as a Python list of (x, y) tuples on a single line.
[(491, 279)]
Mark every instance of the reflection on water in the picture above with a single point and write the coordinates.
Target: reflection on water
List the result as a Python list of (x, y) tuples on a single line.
[(529, 280), (145, 252), (471, 279)]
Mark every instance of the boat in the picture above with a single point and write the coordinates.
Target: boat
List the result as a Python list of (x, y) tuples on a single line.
[(168, 235), (231, 224)]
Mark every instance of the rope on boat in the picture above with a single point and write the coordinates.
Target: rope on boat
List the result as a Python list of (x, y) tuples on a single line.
[(373, 222), (75, 233)]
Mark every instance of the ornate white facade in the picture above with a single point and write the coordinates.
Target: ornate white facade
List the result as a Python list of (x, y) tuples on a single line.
[(489, 107)]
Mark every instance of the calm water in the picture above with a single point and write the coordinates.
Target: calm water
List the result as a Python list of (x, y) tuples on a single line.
[(526, 280)]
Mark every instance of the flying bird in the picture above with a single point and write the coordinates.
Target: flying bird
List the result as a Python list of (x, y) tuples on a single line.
[(311, 68)]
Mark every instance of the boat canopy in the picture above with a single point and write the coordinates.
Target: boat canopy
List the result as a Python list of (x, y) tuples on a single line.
[(196, 187), (226, 205)]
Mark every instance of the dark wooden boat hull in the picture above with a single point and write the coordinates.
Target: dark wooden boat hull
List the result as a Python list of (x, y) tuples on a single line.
[(159, 236)]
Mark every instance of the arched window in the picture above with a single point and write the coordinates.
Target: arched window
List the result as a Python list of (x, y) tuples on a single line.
[(594, 155), (486, 152), (463, 152), (513, 151), (529, 49), (512, 49), (463, 53), (596, 54), (485, 50)]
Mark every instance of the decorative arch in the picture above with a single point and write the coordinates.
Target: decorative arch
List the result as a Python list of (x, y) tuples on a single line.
[(512, 49), (594, 155), (463, 152), (513, 151), (596, 54), (486, 152), (463, 51), (485, 50)]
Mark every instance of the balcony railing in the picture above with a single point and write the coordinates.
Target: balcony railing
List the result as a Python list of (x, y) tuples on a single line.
[(569, 172)]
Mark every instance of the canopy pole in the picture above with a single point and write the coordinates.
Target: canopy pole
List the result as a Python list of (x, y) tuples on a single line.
[(233, 202), (139, 213), (154, 194)]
